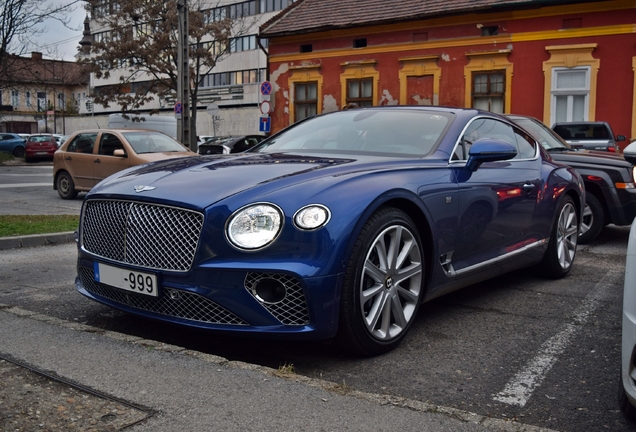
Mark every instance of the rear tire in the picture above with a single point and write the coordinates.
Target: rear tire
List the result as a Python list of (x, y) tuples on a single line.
[(593, 219), (383, 285), (559, 257), (65, 186)]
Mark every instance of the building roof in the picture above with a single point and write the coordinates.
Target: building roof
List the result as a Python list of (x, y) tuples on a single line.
[(35, 69), (306, 16)]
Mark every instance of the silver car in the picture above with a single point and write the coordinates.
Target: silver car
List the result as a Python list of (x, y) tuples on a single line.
[(627, 387)]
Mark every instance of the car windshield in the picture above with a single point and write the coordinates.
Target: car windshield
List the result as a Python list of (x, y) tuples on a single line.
[(393, 132), (548, 139), (152, 142), (582, 132)]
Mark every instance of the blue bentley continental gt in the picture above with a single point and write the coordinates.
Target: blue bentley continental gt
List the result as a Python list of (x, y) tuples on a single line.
[(338, 227)]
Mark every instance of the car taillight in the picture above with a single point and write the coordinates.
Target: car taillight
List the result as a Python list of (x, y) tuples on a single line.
[(611, 149)]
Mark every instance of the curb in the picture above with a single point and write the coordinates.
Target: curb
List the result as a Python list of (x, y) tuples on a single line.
[(36, 240)]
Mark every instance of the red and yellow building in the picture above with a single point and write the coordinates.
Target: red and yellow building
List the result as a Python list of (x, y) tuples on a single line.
[(554, 60)]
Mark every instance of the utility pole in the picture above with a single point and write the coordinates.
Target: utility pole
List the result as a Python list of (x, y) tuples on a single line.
[(182, 109)]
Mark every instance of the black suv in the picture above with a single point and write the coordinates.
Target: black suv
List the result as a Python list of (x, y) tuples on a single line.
[(610, 188), (588, 135)]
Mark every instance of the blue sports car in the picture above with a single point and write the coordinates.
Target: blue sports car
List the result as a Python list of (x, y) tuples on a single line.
[(338, 227)]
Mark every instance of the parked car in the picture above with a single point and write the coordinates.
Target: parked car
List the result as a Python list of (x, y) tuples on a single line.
[(627, 382), (40, 146), (90, 156), (60, 139), (589, 135), (339, 226), (12, 143), (609, 179), (227, 145)]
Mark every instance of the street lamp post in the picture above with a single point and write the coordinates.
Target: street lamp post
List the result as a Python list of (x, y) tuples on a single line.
[(183, 79)]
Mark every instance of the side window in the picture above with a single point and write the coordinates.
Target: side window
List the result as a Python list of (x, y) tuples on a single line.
[(483, 128), (82, 143), (526, 148), (109, 143)]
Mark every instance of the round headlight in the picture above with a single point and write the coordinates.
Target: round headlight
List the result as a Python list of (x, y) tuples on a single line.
[(312, 217), (255, 226)]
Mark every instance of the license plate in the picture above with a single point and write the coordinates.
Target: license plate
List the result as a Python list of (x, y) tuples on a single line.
[(40, 153), (129, 280)]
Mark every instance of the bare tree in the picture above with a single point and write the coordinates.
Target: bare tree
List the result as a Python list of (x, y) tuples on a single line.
[(21, 21), (137, 42)]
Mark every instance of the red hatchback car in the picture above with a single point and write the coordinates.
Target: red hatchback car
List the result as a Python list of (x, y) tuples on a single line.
[(40, 146)]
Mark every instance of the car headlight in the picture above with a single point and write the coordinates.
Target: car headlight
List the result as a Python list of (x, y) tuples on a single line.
[(312, 217), (255, 226)]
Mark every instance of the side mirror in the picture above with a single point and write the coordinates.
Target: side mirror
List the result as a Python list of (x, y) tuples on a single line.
[(630, 153), (620, 138), (119, 152), (489, 150)]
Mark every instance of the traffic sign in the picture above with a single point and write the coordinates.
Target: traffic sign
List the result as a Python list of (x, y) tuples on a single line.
[(178, 108), (264, 124), (266, 107), (266, 88), (212, 109)]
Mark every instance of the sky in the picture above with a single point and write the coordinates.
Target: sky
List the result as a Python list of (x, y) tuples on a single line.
[(60, 37)]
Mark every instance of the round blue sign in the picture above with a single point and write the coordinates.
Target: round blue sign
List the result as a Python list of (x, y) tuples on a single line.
[(266, 88)]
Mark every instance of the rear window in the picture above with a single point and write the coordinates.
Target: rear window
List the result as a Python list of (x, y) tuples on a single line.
[(582, 132)]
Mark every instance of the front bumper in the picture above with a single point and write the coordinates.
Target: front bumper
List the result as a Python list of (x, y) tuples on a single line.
[(224, 300)]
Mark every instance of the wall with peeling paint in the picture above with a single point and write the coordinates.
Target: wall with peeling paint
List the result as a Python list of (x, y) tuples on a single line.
[(452, 47)]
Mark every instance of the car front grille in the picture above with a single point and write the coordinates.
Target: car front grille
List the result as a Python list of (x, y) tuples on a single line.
[(292, 310), (145, 235), (171, 302)]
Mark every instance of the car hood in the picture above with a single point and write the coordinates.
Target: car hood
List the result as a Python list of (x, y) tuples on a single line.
[(591, 157), (203, 180)]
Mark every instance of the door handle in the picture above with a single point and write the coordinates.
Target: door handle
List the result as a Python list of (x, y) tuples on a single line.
[(68, 158), (97, 161)]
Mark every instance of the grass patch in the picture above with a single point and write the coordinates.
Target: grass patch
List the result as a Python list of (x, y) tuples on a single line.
[(5, 157), (15, 225)]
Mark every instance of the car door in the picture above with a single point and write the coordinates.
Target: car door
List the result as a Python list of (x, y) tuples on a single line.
[(497, 201), (79, 159), (107, 163)]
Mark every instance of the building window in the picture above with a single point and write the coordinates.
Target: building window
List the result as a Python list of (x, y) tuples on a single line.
[(220, 79), (305, 100), (274, 5), (15, 99), (41, 101), (570, 94), (360, 92), (61, 101), (27, 98), (489, 91), (244, 43)]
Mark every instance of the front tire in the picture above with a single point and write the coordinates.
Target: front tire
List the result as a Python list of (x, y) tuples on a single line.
[(65, 186), (623, 401), (559, 257), (593, 219), (18, 152), (383, 284)]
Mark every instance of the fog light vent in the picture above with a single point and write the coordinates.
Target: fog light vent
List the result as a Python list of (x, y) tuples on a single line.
[(281, 294)]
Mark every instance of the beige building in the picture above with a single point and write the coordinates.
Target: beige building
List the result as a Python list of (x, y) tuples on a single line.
[(39, 95)]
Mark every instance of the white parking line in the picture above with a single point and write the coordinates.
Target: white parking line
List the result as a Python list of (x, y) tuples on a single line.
[(522, 386), (18, 185)]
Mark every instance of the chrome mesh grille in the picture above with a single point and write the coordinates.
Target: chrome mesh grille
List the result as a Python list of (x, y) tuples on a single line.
[(292, 310), (146, 235), (172, 302)]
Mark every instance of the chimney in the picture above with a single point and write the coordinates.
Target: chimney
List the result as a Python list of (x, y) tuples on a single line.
[(36, 55)]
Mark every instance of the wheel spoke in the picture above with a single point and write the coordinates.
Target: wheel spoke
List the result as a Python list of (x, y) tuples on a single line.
[(398, 312), (414, 269), (373, 272), (376, 311)]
